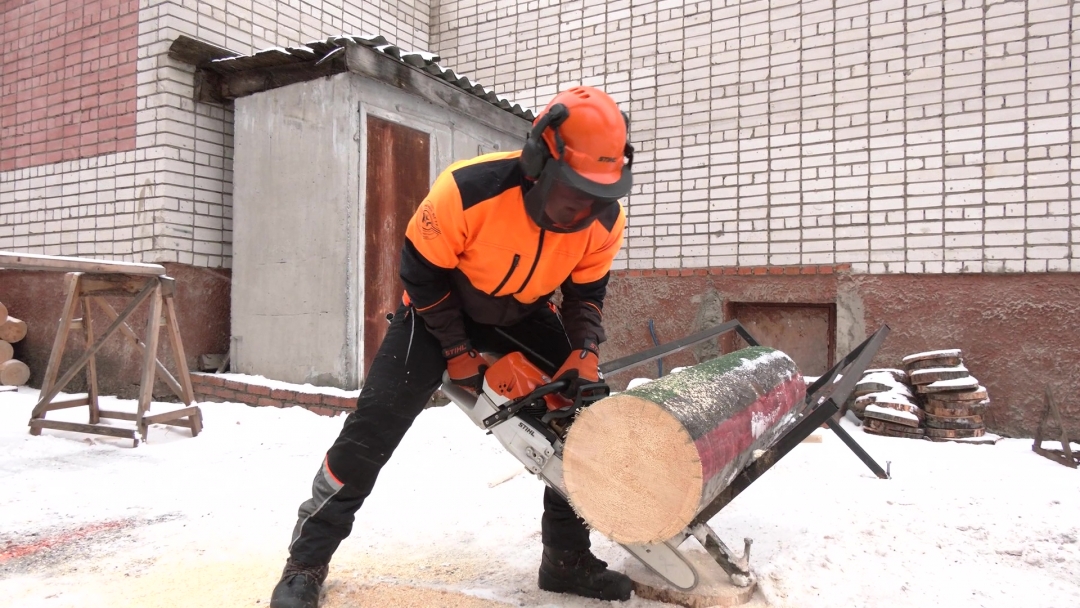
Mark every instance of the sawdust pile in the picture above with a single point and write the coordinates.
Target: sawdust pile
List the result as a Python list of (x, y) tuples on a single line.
[(236, 581), (402, 597)]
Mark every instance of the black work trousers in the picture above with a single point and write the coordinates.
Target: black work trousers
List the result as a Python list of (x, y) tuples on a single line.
[(405, 372)]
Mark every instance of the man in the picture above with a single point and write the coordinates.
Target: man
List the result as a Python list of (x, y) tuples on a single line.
[(483, 254)]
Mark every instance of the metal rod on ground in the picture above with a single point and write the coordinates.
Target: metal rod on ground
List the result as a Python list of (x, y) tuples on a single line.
[(853, 366), (850, 442)]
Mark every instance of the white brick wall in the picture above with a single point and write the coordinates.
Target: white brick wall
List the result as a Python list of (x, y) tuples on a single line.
[(170, 199), (897, 136)]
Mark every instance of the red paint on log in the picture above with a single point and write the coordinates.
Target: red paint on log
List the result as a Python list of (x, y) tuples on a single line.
[(735, 435)]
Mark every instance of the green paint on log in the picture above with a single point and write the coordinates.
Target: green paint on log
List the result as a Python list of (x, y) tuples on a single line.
[(669, 388)]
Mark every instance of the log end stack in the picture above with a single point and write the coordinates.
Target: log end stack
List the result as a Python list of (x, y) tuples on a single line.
[(954, 400), (934, 396), (12, 371), (886, 403)]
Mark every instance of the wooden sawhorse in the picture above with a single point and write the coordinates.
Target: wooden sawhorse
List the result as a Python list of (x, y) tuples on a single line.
[(86, 290)]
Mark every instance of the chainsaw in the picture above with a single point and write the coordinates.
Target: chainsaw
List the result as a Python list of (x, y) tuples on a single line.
[(530, 413)]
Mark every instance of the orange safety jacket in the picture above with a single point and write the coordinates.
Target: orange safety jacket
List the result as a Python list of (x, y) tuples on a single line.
[(472, 249)]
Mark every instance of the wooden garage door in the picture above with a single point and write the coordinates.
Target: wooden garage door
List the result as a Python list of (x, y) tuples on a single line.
[(398, 175), (804, 331)]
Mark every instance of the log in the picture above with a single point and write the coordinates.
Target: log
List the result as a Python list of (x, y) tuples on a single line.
[(14, 373), (12, 330), (6, 351), (3, 313), (640, 465)]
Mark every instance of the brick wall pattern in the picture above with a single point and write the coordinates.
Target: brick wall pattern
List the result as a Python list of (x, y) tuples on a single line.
[(67, 80), (921, 136), (169, 198)]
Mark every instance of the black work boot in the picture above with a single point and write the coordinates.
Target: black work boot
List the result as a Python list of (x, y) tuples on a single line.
[(582, 573), (299, 586)]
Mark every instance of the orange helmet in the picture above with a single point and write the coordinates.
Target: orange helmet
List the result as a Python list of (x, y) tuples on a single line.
[(580, 158)]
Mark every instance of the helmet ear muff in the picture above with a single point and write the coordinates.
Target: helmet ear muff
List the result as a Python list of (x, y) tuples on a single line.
[(535, 152)]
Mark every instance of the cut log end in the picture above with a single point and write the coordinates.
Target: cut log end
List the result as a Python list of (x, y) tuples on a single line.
[(14, 373), (12, 330), (6, 351), (615, 452)]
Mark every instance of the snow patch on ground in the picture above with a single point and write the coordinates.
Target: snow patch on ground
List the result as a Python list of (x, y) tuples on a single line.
[(205, 521)]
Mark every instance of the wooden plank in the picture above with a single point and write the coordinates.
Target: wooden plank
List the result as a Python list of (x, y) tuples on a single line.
[(71, 289), (1063, 456), (153, 331), (177, 345), (82, 428), (197, 52), (91, 366), (112, 284), (118, 415), (126, 329), (263, 78), (90, 351), (173, 415), (196, 423), (57, 263), (65, 404), (1056, 413)]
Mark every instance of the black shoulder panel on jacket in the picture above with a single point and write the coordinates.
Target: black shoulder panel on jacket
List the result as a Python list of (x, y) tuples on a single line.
[(609, 216), (481, 181)]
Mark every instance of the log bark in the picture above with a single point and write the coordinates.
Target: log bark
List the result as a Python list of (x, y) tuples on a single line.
[(6, 351), (14, 373), (12, 330), (640, 465)]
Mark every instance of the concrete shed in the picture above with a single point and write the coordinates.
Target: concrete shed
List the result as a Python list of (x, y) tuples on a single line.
[(327, 172)]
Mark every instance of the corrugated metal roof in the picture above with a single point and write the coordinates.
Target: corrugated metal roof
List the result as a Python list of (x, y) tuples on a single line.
[(321, 50)]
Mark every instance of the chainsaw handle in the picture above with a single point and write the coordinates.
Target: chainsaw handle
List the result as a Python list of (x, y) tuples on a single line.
[(539, 392)]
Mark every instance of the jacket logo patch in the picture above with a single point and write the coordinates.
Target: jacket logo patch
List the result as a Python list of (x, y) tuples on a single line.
[(429, 225)]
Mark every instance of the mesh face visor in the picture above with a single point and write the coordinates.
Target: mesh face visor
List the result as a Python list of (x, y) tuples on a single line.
[(562, 200)]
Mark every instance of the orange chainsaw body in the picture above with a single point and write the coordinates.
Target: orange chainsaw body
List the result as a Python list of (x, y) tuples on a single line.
[(513, 376)]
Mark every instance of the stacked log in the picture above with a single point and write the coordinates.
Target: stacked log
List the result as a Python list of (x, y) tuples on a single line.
[(887, 405), (12, 371), (954, 400)]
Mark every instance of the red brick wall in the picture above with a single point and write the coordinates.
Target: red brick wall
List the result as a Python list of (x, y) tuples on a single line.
[(211, 387), (67, 79)]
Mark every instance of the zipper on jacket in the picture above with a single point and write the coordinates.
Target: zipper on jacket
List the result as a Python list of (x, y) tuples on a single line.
[(513, 266), (536, 260)]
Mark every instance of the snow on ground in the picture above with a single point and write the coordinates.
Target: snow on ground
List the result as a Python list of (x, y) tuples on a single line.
[(87, 521)]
